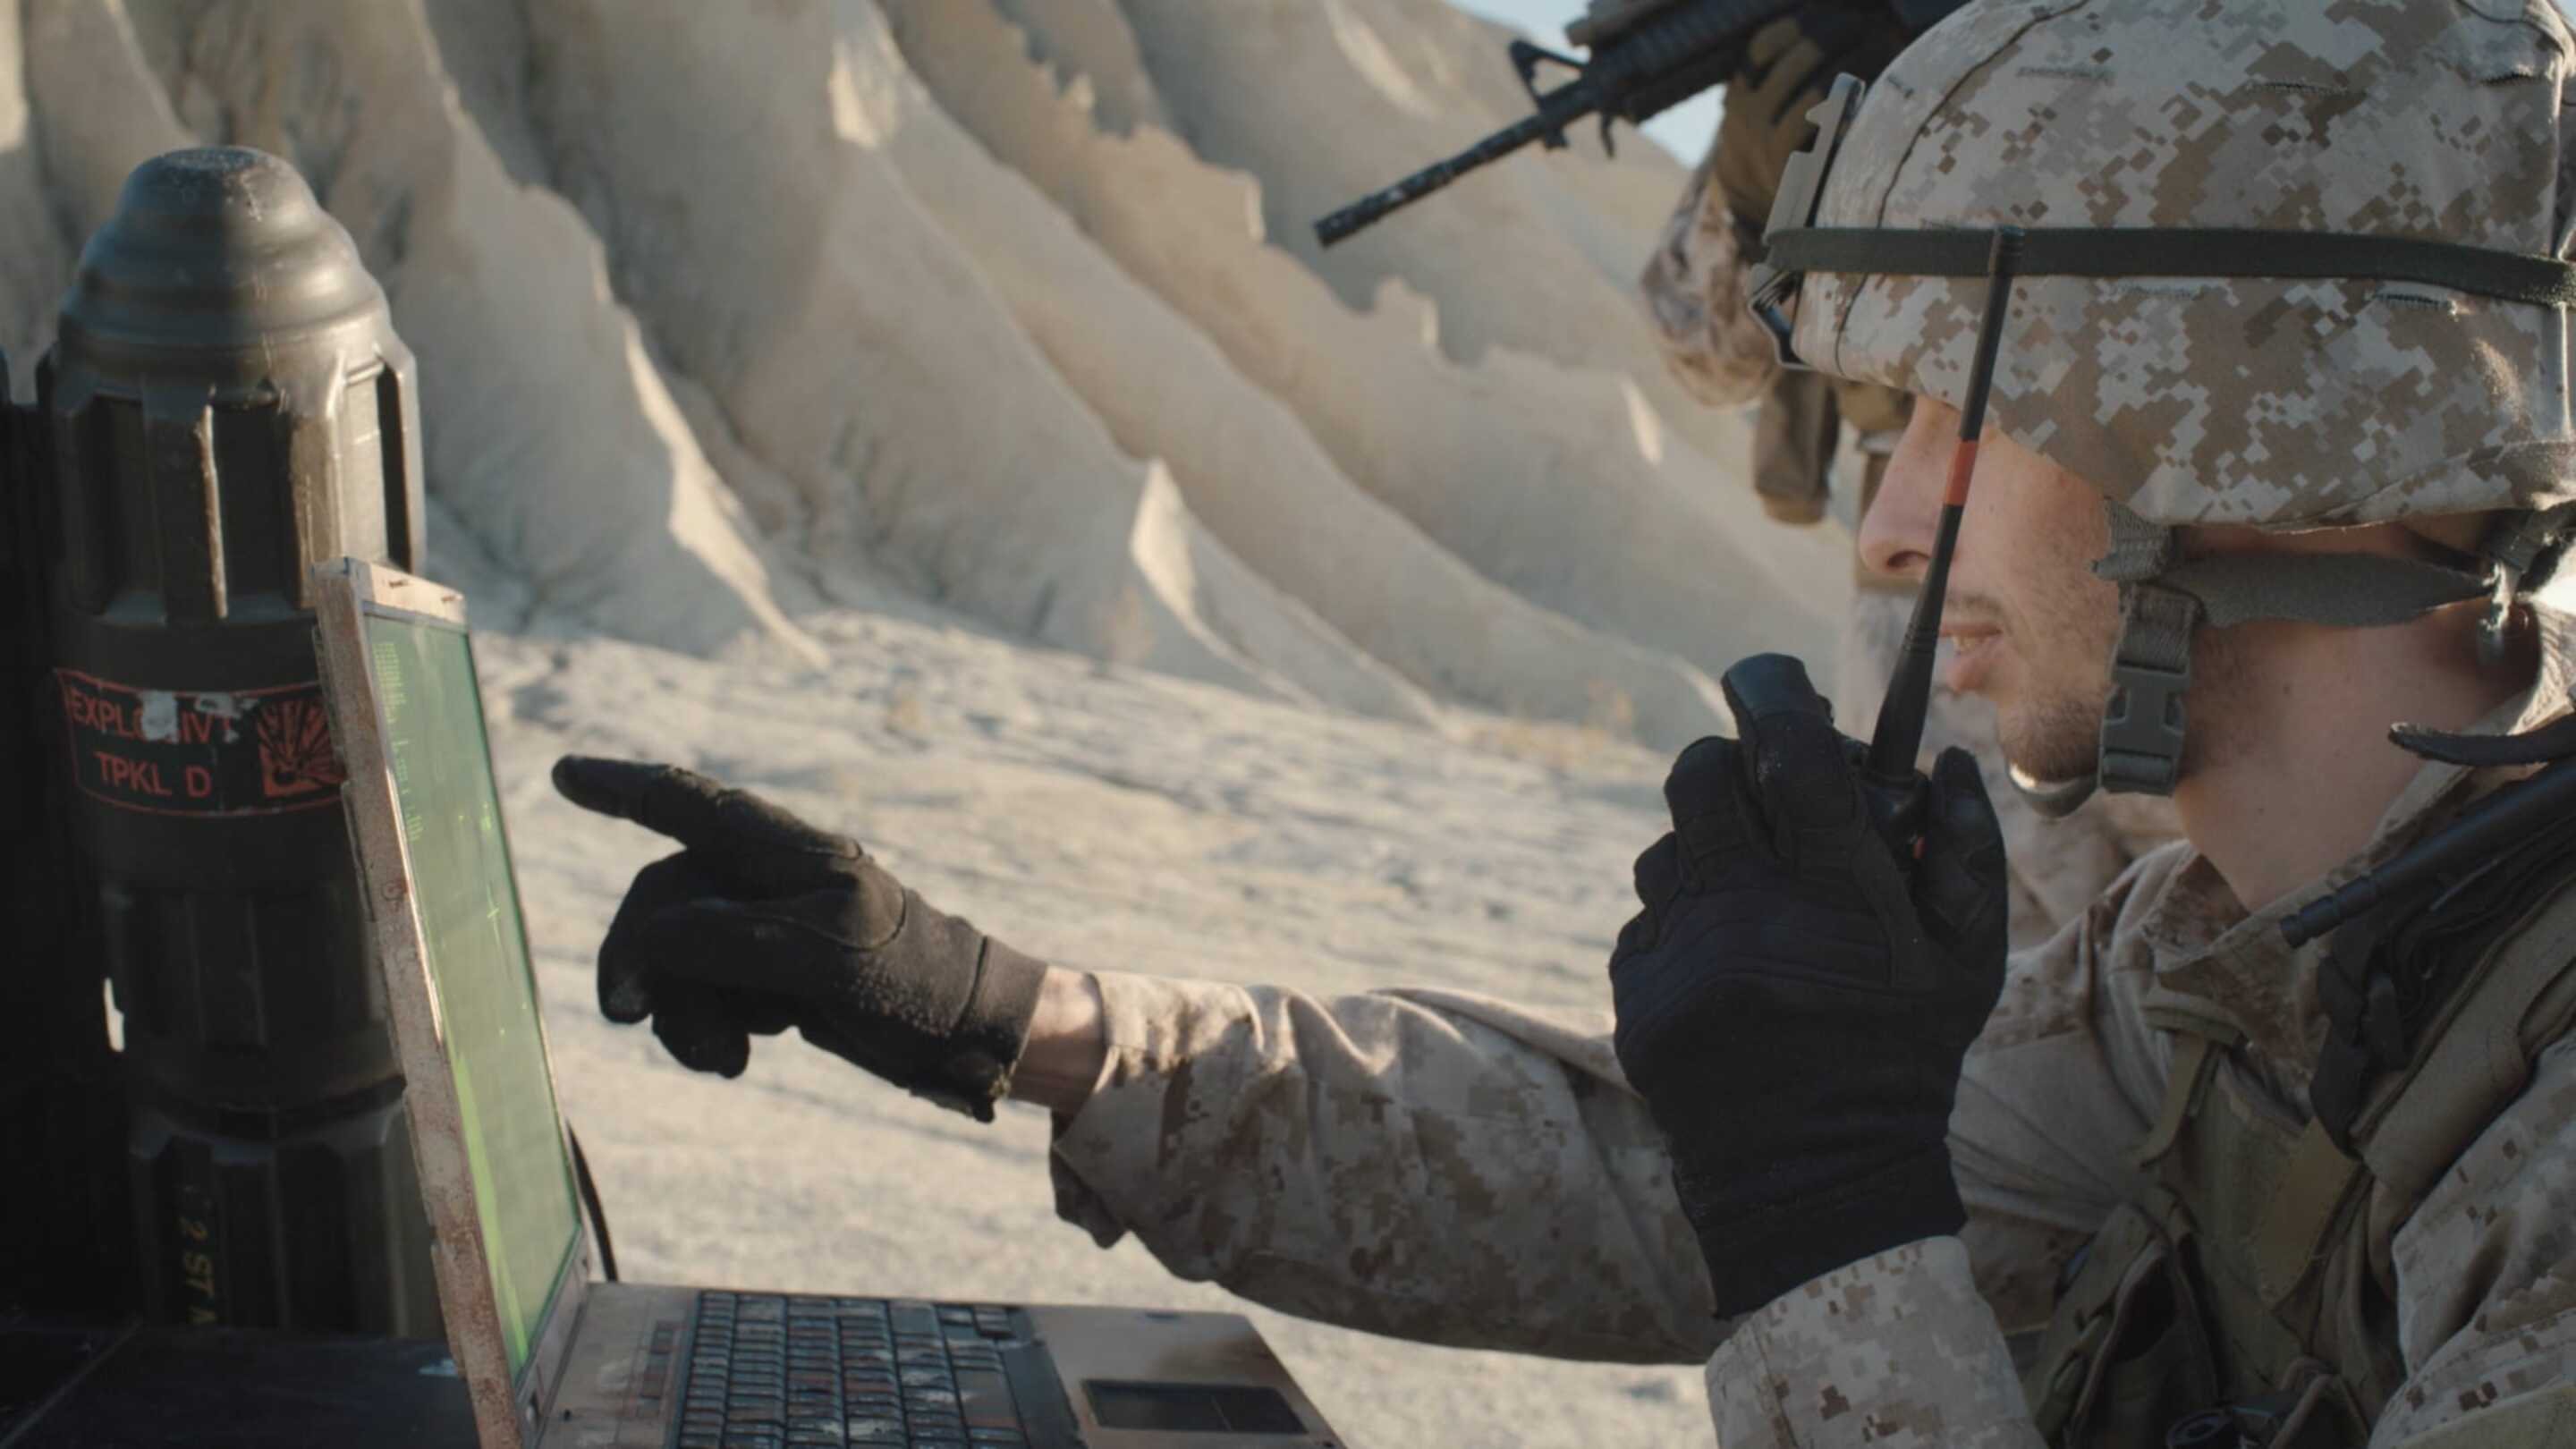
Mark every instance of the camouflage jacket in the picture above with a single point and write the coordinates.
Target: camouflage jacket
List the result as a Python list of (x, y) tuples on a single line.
[(1450, 1168)]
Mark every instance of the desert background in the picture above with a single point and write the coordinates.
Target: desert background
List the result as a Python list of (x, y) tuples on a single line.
[(936, 415)]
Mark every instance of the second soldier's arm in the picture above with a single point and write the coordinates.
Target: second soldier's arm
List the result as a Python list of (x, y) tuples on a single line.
[(1449, 1168), (1432, 1165)]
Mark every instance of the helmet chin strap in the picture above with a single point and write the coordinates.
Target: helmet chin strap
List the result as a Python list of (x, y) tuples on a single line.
[(2142, 723), (2165, 599)]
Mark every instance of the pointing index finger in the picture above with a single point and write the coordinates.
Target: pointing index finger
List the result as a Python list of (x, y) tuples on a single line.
[(662, 798), (746, 834)]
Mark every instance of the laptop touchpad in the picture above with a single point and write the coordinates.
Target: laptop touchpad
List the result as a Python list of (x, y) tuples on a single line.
[(1191, 1408)]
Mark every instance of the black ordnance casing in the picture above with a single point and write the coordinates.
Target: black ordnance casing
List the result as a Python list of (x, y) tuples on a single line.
[(226, 406)]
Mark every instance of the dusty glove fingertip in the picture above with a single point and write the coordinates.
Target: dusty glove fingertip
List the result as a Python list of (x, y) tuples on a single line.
[(1956, 767), (571, 772), (624, 1002), (1702, 778), (1961, 788), (593, 783), (1761, 685), (703, 1045)]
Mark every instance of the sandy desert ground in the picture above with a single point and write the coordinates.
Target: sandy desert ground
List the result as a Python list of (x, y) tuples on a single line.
[(1100, 817)]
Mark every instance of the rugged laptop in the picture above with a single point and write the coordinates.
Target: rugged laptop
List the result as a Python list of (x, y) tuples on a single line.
[(554, 1359)]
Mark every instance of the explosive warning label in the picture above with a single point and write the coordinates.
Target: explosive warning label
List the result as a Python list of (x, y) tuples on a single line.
[(200, 752)]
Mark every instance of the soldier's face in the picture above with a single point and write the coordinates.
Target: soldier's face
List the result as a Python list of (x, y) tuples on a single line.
[(2030, 627)]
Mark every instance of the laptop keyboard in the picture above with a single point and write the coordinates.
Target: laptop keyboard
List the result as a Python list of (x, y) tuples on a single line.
[(770, 1371)]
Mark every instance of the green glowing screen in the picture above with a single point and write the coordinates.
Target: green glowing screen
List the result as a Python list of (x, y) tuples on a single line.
[(478, 962)]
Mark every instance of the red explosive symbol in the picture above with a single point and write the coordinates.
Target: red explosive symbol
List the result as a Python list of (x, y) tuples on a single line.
[(295, 754)]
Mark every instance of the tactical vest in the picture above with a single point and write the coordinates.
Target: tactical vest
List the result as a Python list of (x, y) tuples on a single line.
[(2244, 1296)]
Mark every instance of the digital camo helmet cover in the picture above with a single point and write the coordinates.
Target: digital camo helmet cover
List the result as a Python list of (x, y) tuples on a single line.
[(2284, 265), (2282, 403)]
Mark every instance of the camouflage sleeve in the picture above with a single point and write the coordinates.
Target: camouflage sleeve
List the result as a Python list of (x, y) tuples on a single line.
[(2486, 1284), (1445, 1167), (1433, 1165), (1896, 1351), (1694, 287)]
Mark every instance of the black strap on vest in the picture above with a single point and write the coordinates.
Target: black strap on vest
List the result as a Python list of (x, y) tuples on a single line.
[(2492, 828), (2553, 741), (2388, 970), (2180, 252)]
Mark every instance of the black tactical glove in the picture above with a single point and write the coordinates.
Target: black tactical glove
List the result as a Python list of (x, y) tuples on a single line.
[(764, 922), (1793, 1003), (1790, 65)]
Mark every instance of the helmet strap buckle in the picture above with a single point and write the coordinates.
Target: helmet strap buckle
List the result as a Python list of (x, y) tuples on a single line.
[(2521, 550), (2142, 726), (2495, 624)]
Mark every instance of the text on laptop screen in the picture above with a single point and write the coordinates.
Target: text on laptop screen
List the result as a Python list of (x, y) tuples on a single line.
[(478, 962)]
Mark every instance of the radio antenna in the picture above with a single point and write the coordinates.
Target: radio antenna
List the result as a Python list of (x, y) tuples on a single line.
[(1898, 739)]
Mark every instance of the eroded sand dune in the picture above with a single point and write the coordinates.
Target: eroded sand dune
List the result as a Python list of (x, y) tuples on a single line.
[(997, 304), (1566, 484), (1249, 466), (918, 421), (1384, 87)]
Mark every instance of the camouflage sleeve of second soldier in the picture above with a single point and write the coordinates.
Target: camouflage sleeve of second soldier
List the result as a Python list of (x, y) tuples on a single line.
[(1434, 1165), (1445, 1167)]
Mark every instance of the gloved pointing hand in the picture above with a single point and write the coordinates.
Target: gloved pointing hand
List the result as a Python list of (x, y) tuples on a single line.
[(1794, 1003), (763, 922)]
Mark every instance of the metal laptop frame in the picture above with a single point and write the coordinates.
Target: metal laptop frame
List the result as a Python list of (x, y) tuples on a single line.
[(345, 591)]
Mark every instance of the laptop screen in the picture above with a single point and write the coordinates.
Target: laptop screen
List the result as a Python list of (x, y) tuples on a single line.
[(478, 962)]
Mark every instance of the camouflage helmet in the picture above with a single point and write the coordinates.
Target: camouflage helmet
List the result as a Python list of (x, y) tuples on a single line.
[(2289, 266)]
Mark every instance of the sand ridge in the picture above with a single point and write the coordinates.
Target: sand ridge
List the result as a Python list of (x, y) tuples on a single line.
[(1008, 305)]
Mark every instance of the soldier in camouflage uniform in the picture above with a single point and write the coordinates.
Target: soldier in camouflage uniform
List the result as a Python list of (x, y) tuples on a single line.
[(1694, 283), (2318, 493), (1695, 292)]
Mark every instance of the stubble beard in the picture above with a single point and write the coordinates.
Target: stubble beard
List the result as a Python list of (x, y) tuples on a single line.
[(2053, 733), (2052, 739)]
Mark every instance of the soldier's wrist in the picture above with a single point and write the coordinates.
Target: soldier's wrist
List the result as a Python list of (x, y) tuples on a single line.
[(1753, 1259), (983, 1050), (1067, 1043)]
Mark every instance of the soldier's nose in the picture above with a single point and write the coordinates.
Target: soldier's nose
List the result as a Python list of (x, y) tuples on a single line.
[(1896, 534)]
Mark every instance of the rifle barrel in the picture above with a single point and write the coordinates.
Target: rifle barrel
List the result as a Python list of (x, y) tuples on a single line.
[(1636, 71), (1431, 178)]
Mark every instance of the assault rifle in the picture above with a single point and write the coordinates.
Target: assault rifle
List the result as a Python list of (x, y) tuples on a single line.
[(1647, 57)]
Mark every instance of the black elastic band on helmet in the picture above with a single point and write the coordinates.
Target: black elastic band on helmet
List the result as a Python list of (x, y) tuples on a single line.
[(2178, 252)]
